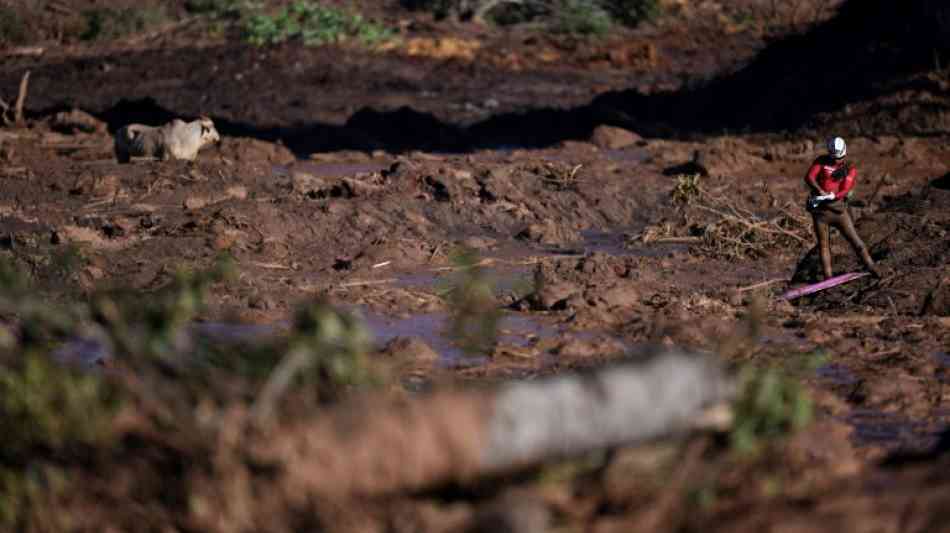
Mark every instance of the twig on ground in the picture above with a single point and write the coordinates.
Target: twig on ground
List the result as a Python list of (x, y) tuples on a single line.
[(350, 284), (16, 119), (761, 284)]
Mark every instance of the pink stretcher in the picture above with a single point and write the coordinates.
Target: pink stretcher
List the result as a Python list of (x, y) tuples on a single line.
[(820, 286)]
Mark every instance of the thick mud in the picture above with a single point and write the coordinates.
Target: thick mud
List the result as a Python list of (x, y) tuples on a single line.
[(357, 177)]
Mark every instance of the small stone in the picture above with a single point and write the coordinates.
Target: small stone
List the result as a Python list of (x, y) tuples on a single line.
[(613, 138), (77, 121), (410, 349), (260, 302), (308, 184), (195, 202), (621, 296), (238, 192), (554, 295)]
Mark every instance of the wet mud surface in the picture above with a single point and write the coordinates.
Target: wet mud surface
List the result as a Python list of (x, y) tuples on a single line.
[(384, 173)]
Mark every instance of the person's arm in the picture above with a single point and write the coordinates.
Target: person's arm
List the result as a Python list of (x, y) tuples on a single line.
[(811, 178), (848, 182)]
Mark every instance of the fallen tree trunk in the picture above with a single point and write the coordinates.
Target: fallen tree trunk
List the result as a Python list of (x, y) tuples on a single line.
[(366, 447)]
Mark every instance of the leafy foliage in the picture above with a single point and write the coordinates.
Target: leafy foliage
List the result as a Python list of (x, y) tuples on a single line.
[(475, 313), (771, 404), (60, 421), (12, 28), (313, 24), (686, 189), (581, 17), (633, 12), (102, 24)]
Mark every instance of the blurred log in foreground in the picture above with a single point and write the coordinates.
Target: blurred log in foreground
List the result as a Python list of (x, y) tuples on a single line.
[(366, 447)]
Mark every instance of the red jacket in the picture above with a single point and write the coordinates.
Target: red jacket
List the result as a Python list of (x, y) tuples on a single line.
[(832, 175)]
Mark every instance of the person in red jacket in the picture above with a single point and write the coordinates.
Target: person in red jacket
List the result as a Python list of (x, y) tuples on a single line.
[(831, 180)]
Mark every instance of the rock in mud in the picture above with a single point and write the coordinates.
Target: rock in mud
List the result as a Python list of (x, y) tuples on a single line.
[(354, 188), (620, 296), (496, 185), (97, 185), (309, 185), (253, 150), (551, 292), (613, 138), (548, 232), (76, 121), (512, 513), (479, 243), (554, 295), (410, 350), (696, 165), (261, 302), (937, 301)]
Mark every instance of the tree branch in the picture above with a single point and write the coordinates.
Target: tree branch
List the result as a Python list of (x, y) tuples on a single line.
[(21, 97)]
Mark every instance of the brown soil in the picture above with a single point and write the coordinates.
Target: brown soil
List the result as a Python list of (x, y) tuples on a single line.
[(354, 175)]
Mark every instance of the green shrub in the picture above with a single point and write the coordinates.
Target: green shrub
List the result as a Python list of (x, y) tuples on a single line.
[(633, 12), (581, 17), (104, 23), (314, 24), (51, 415), (475, 312), (12, 28), (439, 8), (771, 404), (221, 7)]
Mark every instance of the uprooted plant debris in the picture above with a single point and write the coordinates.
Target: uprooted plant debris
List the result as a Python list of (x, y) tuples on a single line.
[(445, 275), (724, 226)]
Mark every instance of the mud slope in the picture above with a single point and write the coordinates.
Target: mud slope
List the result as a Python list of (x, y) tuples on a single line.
[(872, 50)]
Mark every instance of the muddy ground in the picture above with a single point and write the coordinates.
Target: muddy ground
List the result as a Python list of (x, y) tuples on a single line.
[(357, 177)]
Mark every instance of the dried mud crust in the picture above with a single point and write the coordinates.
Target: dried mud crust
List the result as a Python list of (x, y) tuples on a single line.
[(353, 225), (349, 224)]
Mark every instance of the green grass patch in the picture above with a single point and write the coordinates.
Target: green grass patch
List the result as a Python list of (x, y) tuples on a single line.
[(106, 24), (772, 404), (12, 28), (314, 25)]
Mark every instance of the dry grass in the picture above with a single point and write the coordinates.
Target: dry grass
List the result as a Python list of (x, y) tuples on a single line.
[(720, 226)]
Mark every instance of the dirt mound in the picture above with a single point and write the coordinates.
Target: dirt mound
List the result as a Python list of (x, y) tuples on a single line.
[(873, 53)]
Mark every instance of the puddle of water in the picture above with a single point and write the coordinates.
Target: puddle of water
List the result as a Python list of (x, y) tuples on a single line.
[(893, 431), (331, 169), (503, 279), (837, 374), (431, 328), (90, 353), (86, 354), (614, 243)]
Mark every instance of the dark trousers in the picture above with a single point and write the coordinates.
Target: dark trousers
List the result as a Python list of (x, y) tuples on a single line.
[(837, 215)]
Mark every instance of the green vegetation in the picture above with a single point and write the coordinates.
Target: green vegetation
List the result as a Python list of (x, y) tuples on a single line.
[(771, 404), (577, 17), (222, 8), (12, 28), (633, 12), (581, 17), (686, 189), (475, 312), (104, 24), (314, 24), (60, 422)]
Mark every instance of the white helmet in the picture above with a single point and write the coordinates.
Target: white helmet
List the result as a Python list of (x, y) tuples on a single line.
[(837, 148)]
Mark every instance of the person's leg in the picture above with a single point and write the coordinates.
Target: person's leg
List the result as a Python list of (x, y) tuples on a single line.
[(824, 246), (845, 225)]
